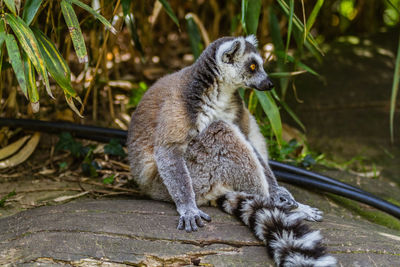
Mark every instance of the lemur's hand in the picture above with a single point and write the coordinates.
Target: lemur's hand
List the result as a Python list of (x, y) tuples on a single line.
[(282, 199), (190, 218)]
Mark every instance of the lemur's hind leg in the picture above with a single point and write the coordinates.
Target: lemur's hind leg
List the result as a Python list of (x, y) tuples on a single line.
[(220, 158)]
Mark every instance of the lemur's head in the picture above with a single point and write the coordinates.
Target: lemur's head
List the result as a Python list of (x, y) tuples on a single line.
[(241, 64)]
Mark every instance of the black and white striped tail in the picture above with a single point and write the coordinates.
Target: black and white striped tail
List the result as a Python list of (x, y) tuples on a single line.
[(289, 241)]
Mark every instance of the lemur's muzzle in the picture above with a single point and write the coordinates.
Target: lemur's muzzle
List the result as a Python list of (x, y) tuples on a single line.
[(265, 85)]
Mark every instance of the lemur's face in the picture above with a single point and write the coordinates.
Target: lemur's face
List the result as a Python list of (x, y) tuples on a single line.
[(242, 65)]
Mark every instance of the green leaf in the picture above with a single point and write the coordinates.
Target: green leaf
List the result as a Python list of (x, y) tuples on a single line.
[(395, 89), (126, 5), (11, 6), (2, 40), (68, 143), (271, 110), (75, 30), (280, 54), (250, 15), (95, 14), (300, 26), (31, 79), (290, 25), (16, 62), (55, 63), (115, 148), (279, 49), (31, 7), (170, 12), (132, 25), (289, 110), (194, 36), (313, 15), (30, 45), (109, 180), (285, 74)]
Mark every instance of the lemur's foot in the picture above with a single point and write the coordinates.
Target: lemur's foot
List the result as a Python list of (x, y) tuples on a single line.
[(282, 199), (191, 219), (311, 214)]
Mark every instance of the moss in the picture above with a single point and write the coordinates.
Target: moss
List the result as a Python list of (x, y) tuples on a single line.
[(372, 215)]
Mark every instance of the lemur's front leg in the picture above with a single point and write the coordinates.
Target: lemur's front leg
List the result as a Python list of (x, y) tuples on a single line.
[(175, 175), (278, 194), (283, 199)]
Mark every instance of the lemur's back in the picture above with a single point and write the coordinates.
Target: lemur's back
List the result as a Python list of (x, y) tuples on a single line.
[(161, 103)]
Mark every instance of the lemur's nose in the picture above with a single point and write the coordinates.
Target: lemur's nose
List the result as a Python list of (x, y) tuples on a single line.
[(266, 84)]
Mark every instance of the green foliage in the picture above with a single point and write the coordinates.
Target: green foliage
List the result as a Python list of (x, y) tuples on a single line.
[(109, 179), (27, 47), (137, 93), (194, 37), (3, 199), (170, 12), (115, 148), (67, 143)]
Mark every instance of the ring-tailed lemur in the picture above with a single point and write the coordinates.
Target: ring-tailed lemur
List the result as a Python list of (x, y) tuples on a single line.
[(192, 141)]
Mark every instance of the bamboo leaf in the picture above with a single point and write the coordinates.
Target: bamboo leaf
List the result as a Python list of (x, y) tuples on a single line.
[(170, 12), (7, 151), (291, 12), (194, 36), (126, 5), (271, 110), (132, 25), (244, 15), (11, 6), (250, 15), (95, 14), (55, 63), (75, 31), (395, 90), (2, 40), (286, 74), (30, 9), (279, 49), (71, 104), (23, 154), (16, 62), (31, 80), (30, 45), (300, 26), (313, 15), (300, 64), (288, 110)]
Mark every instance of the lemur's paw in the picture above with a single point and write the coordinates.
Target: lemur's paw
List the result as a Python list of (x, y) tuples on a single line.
[(282, 199), (312, 214), (191, 219)]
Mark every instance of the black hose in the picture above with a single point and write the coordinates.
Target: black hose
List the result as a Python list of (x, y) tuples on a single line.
[(94, 133), (275, 165), (284, 172), (341, 191)]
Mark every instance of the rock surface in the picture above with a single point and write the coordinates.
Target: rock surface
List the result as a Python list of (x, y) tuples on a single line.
[(138, 232)]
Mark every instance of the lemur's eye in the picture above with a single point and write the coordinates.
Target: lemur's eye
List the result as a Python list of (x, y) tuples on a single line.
[(253, 67)]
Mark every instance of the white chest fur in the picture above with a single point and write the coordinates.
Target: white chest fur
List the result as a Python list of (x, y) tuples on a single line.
[(217, 105)]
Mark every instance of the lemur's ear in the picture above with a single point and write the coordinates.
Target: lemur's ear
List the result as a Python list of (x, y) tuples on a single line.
[(252, 39), (230, 51)]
